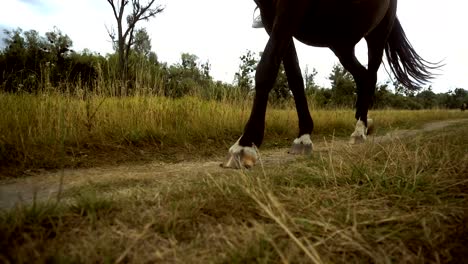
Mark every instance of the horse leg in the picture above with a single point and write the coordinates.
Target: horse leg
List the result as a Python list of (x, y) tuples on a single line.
[(375, 46), (281, 18), (365, 83), (302, 144), (243, 154), (367, 80)]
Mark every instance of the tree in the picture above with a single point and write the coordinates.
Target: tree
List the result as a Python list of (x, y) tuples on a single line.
[(382, 96), (456, 98), (322, 97), (58, 46), (206, 69), (280, 92), (343, 86), (31, 63), (309, 80), (427, 98), (244, 77), (189, 61), (318, 97), (125, 38), (189, 77), (142, 44), (59, 43), (14, 70), (153, 58)]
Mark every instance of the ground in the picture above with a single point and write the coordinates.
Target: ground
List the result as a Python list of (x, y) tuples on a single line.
[(46, 185), (400, 197)]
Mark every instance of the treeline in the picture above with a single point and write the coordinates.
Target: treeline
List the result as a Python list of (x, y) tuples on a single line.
[(33, 63), (342, 90)]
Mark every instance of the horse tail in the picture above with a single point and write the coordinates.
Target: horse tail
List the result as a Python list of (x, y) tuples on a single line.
[(409, 68)]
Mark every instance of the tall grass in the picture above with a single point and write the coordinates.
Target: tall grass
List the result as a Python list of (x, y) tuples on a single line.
[(36, 130)]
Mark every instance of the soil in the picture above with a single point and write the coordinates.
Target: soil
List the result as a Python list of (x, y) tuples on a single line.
[(45, 185)]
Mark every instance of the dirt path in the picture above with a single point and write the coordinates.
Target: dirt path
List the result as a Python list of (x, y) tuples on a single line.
[(46, 185)]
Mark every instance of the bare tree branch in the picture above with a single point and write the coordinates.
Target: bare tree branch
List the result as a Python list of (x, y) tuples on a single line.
[(110, 32), (125, 38), (142, 13), (123, 3), (111, 2)]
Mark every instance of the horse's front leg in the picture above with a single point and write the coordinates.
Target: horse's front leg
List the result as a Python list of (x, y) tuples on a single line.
[(302, 144), (243, 154), (281, 21)]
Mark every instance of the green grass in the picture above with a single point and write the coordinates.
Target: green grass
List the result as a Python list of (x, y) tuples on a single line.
[(400, 201), (52, 131)]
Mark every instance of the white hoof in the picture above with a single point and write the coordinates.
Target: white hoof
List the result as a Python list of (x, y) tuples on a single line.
[(361, 131), (240, 157), (302, 145)]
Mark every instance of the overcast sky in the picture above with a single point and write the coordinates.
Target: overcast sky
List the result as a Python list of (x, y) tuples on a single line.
[(220, 31)]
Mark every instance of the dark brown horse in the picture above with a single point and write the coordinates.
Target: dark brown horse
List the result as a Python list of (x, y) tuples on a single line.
[(338, 25)]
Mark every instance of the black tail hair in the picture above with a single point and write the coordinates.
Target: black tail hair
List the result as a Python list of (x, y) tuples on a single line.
[(409, 68)]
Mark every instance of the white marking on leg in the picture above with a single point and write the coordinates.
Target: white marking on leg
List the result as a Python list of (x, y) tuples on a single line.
[(304, 139), (302, 145), (237, 149), (360, 132), (241, 156)]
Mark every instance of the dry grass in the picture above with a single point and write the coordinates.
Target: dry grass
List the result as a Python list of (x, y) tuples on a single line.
[(53, 130), (402, 201)]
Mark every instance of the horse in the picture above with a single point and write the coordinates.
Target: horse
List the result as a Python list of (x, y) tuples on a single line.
[(338, 25), (463, 107)]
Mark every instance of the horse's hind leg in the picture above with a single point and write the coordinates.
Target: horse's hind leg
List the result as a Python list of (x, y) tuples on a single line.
[(376, 42), (365, 83), (366, 79), (302, 144)]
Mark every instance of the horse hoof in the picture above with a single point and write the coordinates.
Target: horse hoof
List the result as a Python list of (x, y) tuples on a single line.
[(302, 146), (357, 139), (360, 132), (301, 149), (238, 161), (240, 157)]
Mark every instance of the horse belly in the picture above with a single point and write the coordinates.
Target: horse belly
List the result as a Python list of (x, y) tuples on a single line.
[(330, 21)]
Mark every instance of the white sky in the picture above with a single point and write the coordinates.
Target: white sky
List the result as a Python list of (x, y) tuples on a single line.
[(220, 31)]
